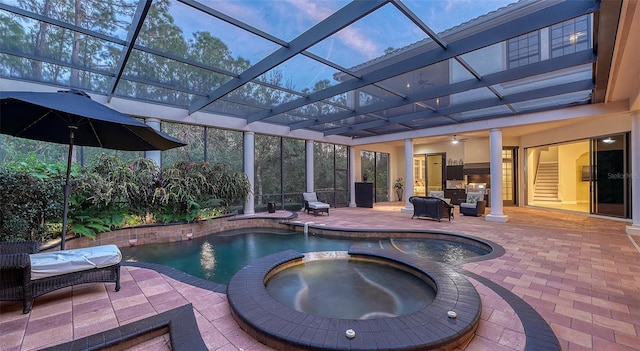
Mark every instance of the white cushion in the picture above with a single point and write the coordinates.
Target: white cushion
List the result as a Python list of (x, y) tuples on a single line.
[(318, 205), (468, 205), (67, 261), (473, 197), (437, 193), (310, 197)]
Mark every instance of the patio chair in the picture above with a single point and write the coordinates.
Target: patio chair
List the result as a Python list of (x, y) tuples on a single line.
[(474, 205), (311, 203), (26, 274)]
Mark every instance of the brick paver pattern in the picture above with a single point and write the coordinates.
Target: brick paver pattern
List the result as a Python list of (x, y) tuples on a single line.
[(580, 273)]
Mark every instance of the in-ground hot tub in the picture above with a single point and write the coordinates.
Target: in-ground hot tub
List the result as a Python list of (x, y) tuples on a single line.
[(332, 284), (385, 327)]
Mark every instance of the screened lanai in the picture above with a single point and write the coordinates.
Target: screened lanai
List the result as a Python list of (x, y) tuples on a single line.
[(307, 82), (353, 69)]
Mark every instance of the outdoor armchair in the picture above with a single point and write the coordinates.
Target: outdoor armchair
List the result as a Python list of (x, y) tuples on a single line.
[(474, 205)]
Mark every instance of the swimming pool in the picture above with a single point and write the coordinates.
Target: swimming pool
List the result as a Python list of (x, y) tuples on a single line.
[(217, 257)]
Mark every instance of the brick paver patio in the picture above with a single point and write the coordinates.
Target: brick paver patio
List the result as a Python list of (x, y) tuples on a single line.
[(580, 273)]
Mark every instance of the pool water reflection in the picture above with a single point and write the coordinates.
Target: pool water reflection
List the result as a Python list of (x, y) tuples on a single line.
[(350, 289), (217, 257)]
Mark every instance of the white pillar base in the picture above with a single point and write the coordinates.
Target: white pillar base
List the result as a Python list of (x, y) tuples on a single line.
[(633, 230), (352, 205), (496, 218)]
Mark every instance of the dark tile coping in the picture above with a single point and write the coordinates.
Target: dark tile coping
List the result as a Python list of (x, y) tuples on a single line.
[(539, 335), (181, 323), (283, 328)]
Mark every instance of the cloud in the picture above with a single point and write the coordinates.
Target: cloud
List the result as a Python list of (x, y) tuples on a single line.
[(351, 38)]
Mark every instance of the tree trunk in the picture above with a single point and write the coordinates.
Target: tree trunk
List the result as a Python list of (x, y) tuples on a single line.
[(41, 43), (75, 51)]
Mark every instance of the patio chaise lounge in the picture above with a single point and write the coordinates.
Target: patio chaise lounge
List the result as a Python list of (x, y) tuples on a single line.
[(26, 274), (311, 203)]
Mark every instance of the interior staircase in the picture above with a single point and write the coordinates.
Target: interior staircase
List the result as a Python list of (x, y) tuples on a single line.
[(546, 189)]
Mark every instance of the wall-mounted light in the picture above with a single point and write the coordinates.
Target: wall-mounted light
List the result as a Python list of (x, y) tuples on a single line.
[(608, 140), (573, 38)]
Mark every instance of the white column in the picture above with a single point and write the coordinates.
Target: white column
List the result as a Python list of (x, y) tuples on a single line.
[(352, 176), (249, 170), (155, 155), (408, 175), (495, 142), (634, 229), (309, 166)]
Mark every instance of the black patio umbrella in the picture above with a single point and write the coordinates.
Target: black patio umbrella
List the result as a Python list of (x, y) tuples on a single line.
[(73, 118)]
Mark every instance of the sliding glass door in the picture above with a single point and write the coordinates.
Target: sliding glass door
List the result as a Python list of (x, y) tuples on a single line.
[(375, 169), (609, 181)]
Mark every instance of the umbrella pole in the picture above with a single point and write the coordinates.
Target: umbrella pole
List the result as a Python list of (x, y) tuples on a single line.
[(67, 187)]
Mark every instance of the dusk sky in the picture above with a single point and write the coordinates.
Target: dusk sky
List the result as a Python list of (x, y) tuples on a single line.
[(356, 44)]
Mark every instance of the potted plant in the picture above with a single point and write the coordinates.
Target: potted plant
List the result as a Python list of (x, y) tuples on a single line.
[(399, 186)]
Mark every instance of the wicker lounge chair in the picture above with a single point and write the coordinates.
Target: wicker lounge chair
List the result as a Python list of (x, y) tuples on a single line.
[(311, 203), (26, 274)]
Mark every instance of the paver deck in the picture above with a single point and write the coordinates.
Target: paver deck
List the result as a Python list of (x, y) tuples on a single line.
[(580, 273)]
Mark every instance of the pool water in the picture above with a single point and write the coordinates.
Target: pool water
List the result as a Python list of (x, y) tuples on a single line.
[(350, 289), (218, 257)]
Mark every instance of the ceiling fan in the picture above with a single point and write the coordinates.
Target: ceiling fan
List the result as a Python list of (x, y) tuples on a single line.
[(455, 140), (423, 81)]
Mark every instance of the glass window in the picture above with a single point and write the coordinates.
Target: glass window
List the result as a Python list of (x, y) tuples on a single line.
[(523, 50), (293, 172), (225, 146), (507, 175), (16, 149), (267, 182), (375, 169), (570, 36), (382, 177), (324, 171), (342, 175)]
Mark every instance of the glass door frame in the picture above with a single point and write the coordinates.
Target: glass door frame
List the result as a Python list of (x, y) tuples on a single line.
[(424, 158), (443, 170), (514, 174), (612, 175)]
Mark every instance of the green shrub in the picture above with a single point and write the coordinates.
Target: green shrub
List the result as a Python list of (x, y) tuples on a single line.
[(33, 198), (14, 229), (111, 193)]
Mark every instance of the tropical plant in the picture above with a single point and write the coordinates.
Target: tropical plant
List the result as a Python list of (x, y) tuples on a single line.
[(191, 191), (111, 193)]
